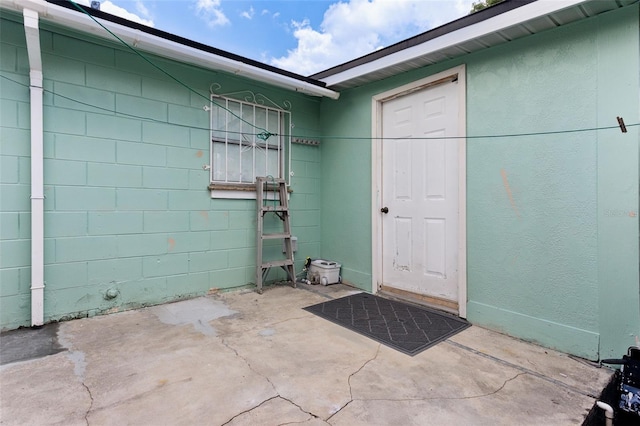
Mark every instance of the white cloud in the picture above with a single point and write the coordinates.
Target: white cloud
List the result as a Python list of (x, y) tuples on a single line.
[(142, 9), (248, 13), (356, 27), (268, 12), (211, 12), (110, 7)]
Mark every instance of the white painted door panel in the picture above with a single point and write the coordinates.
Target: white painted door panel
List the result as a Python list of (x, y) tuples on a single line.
[(420, 188)]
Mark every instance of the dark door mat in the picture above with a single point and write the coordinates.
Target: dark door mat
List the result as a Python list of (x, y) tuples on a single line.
[(407, 328), (29, 343)]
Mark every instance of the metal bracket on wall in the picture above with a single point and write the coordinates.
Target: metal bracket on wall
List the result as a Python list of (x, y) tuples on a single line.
[(301, 141)]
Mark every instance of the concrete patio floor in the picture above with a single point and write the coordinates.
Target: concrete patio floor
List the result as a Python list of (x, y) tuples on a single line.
[(240, 358)]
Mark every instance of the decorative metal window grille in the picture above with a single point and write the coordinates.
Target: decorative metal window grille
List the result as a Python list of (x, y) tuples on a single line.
[(238, 154)]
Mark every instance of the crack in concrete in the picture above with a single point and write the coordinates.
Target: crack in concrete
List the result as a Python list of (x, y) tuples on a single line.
[(501, 387), (349, 383), (246, 361), (86, 415), (79, 362), (249, 410), (252, 328), (273, 386), (313, 416), (523, 369), (141, 395), (284, 320), (484, 395)]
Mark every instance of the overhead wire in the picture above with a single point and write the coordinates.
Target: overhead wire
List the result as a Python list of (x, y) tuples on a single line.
[(328, 137), (264, 134)]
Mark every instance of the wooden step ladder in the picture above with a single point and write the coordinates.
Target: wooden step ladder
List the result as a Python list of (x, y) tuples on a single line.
[(280, 208)]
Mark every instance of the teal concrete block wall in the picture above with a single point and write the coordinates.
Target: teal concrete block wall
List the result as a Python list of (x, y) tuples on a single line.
[(15, 217), (539, 265), (127, 205)]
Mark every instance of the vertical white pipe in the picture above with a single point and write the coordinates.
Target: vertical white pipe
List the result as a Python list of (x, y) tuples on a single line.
[(32, 33)]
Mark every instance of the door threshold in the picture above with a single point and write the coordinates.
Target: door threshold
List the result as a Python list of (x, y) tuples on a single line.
[(444, 305)]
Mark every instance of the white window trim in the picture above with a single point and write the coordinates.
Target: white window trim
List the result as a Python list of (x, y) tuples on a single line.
[(246, 191)]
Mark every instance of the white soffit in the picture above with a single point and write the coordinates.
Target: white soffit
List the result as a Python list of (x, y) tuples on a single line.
[(163, 47), (513, 24)]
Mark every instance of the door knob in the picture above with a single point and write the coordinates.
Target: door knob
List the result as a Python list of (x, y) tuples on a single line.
[(385, 210)]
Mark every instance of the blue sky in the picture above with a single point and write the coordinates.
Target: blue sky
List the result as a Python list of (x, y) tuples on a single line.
[(303, 36)]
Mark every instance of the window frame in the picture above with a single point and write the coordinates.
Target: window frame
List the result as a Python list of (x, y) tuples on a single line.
[(237, 189)]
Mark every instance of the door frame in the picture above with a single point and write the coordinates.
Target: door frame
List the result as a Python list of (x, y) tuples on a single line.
[(447, 76)]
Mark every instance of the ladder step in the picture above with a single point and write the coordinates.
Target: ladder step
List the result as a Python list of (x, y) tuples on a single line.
[(269, 180), (276, 236), (274, 209), (284, 262)]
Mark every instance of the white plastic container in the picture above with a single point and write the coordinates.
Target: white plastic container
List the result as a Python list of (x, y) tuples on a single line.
[(324, 272)]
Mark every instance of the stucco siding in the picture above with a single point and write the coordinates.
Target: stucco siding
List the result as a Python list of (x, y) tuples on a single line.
[(535, 204), (532, 200)]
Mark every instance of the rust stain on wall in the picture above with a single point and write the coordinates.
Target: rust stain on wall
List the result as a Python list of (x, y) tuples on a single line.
[(507, 188), (172, 243), (199, 154), (205, 215)]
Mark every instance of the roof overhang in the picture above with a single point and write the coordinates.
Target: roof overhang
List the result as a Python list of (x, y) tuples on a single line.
[(499, 24), (146, 41)]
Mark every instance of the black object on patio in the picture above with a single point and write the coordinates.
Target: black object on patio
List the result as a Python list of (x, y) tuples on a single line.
[(407, 328)]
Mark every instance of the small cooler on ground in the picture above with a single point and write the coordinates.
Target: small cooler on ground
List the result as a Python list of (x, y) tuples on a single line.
[(324, 272)]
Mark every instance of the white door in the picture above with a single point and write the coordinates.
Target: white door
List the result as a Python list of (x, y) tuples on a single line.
[(420, 190)]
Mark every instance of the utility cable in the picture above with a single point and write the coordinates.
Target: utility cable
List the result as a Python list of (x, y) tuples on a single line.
[(263, 135), (337, 137)]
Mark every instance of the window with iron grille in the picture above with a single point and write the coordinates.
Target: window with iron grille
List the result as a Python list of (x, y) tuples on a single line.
[(247, 140)]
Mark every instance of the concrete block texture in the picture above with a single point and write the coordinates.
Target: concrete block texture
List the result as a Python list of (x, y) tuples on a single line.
[(9, 169), (9, 226), (115, 222), (126, 203), (165, 134), (64, 224), (63, 172), (79, 148), (165, 177), (114, 175), (71, 198), (141, 199), (85, 248)]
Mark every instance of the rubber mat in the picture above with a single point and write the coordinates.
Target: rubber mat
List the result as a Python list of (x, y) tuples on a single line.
[(407, 328)]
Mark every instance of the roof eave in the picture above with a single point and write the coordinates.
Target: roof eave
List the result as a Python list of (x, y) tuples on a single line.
[(339, 76), (170, 49)]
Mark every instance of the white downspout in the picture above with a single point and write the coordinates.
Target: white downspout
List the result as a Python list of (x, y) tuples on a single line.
[(32, 33)]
